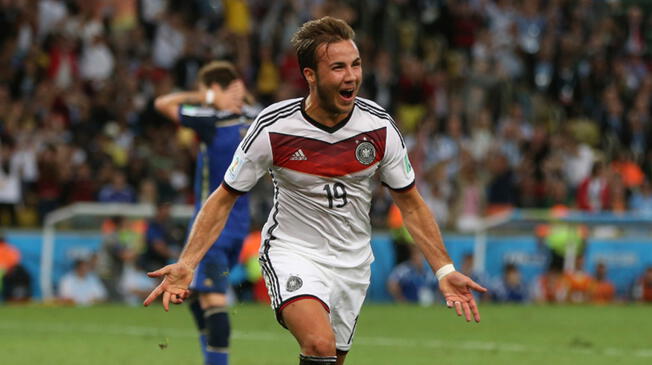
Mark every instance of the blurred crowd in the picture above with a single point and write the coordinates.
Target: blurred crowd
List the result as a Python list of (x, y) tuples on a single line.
[(412, 281), (503, 103)]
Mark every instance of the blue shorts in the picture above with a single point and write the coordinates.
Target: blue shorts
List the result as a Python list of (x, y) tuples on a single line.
[(212, 274)]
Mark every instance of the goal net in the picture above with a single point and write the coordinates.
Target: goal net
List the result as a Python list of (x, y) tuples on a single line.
[(92, 219)]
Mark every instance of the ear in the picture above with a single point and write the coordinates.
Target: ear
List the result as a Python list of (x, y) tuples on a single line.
[(310, 75)]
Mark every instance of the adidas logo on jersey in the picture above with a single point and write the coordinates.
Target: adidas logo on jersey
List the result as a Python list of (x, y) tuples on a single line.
[(298, 156)]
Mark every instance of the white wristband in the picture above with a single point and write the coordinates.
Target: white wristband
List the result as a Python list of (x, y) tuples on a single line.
[(444, 270), (210, 97)]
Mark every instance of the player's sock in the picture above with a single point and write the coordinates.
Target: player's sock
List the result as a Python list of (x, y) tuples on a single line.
[(316, 360), (219, 329), (198, 315)]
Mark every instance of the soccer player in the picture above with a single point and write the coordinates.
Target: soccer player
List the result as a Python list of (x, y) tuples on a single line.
[(219, 117), (322, 152)]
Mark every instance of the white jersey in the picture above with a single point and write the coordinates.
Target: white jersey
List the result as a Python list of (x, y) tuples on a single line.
[(322, 177)]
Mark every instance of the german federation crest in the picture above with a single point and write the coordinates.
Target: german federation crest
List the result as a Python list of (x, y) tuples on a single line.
[(294, 283), (365, 153)]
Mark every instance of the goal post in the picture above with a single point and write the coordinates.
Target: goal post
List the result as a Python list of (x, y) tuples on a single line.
[(100, 210)]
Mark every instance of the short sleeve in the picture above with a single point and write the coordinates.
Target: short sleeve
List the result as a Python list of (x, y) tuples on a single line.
[(395, 169), (251, 160), (200, 119)]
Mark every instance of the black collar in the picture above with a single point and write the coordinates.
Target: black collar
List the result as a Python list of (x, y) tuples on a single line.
[(324, 128)]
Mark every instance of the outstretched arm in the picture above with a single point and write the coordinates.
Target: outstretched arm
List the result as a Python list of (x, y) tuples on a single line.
[(421, 224), (207, 227)]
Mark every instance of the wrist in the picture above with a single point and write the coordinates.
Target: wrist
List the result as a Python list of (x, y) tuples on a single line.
[(209, 97), (444, 270), (186, 265)]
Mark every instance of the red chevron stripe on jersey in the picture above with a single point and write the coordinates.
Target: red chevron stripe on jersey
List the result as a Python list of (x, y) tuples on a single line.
[(321, 158)]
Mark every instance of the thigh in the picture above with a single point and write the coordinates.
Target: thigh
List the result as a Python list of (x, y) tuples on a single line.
[(210, 300), (307, 320)]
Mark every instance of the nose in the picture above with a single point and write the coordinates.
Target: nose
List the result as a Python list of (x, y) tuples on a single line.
[(349, 75)]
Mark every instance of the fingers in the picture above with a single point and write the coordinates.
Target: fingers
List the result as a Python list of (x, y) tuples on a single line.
[(179, 297), (475, 286), (467, 311), (166, 301), (458, 308), (464, 306), (153, 295), (158, 273), (474, 310)]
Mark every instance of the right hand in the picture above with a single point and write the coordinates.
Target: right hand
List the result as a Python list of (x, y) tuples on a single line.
[(174, 287)]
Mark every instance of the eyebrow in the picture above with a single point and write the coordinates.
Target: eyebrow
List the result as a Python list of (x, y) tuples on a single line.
[(340, 63)]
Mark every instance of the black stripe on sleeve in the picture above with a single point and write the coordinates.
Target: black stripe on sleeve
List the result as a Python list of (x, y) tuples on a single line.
[(399, 190), (232, 189)]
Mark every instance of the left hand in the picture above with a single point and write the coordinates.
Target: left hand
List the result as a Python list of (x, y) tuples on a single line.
[(456, 288)]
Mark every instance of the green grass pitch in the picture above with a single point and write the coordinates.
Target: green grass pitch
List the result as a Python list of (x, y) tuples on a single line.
[(387, 335)]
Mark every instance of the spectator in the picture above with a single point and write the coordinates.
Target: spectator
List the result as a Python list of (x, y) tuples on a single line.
[(643, 287), (578, 283), (82, 187), (15, 280), (9, 255), (549, 287), (97, 61), (117, 191), (641, 199), (10, 183), (81, 286), (578, 159), (469, 205), (412, 281), (502, 184), (253, 285), (162, 239), (510, 287), (593, 194), (134, 284), (603, 291), (120, 249)]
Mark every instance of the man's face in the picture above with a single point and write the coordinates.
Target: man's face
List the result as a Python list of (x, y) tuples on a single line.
[(338, 76)]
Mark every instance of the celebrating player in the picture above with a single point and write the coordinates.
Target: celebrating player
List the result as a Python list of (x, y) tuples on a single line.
[(322, 152), (220, 124)]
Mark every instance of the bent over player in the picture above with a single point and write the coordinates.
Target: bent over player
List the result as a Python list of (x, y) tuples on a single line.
[(322, 152), (220, 123)]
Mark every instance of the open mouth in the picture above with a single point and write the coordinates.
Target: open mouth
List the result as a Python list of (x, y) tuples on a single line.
[(347, 94)]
